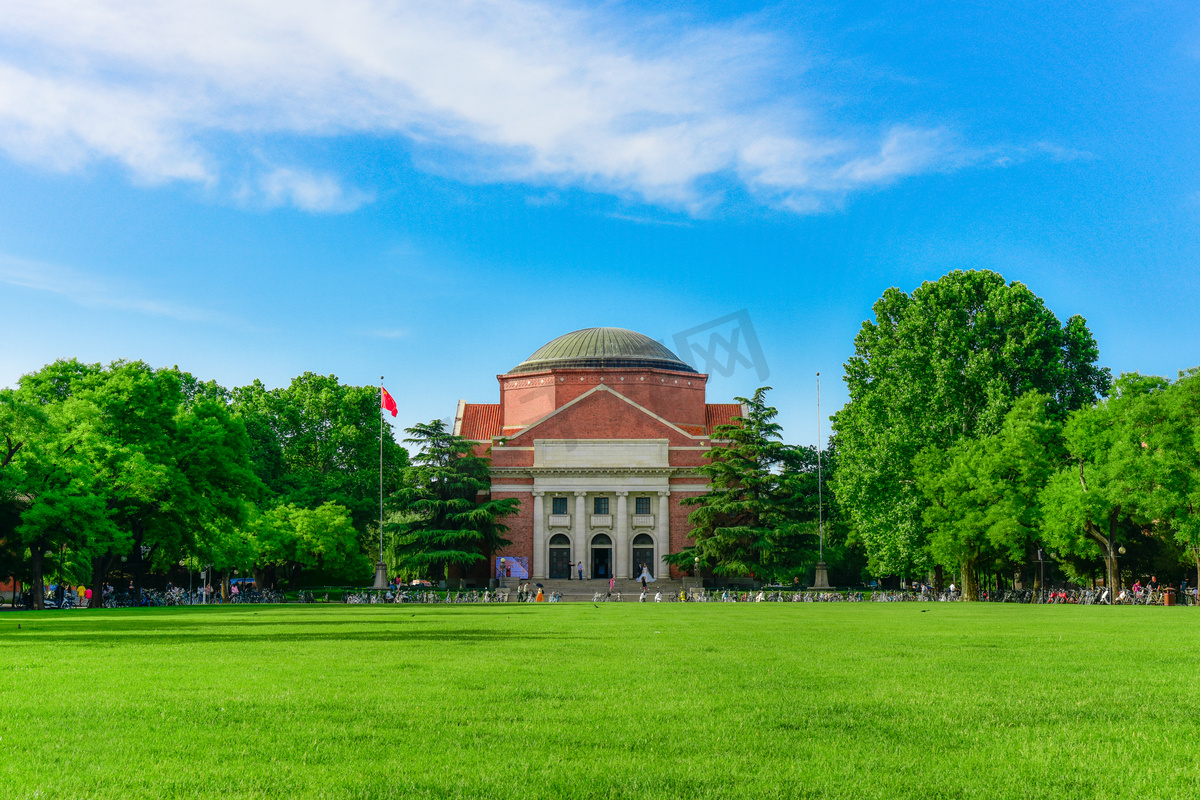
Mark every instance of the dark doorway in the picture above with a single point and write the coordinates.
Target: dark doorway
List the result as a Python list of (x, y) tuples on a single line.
[(601, 557), (560, 557), (643, 553)]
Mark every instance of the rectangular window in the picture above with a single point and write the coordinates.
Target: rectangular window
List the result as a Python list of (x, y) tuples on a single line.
[(641, 505), (558, 505), (600, 505)]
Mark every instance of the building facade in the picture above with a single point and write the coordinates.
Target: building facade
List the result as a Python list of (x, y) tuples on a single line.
[(598, 434)]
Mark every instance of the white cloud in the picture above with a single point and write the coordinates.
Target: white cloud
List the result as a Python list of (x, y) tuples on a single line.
[(305, 190), (506, 90), (90, 291)]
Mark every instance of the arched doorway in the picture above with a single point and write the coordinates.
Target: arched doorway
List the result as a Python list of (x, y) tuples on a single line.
[(602, 560), (560, 557), (643, 553)]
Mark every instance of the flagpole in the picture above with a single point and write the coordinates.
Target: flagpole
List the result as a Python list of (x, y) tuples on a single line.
[(381, 390), (381, 568)]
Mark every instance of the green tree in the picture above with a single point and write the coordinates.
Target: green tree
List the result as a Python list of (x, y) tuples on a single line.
[(288, 539), (444, 524), (1173, 447), (755, 519), (1100, 497), (166, 465), (983, 494), (1134, 471), (54, 503), (317, 441), (941, 365)]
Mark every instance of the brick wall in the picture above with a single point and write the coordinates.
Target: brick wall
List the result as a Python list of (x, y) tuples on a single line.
[(520, 528), (603, 415), (680, 528)]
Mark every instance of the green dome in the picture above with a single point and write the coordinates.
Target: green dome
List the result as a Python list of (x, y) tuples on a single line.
[(593, 348)]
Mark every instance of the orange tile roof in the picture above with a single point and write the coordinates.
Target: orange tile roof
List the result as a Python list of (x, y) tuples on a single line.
[(720, 414), (481, 421)]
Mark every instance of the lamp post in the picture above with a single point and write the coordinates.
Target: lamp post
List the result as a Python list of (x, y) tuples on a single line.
[(821, 578), (1041, 557)]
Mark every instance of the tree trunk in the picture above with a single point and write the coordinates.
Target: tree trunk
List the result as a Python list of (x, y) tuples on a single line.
[(100, 565), (35, 567), (937, 580), (970, 590)]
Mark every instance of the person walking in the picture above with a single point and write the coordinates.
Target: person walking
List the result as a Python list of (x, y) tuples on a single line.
[(612, 582), (580, 567)]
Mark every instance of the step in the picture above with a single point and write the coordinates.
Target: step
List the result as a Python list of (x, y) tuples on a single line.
[(585, 590)]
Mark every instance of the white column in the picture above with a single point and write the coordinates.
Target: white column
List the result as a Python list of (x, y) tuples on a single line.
[(622, 555), (662, 534), (539, 536), (579, 551)]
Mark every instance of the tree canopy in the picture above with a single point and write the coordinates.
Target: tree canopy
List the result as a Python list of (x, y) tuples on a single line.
[(756, 518), (936, 367), (443, 522)]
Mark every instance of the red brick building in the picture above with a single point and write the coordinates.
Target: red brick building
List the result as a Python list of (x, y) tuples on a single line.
[(598, 434)]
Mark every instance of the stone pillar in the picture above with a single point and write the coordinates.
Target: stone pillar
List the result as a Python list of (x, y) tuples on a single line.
[(579, 550), (621, 529), (662, 534), (540, 554)]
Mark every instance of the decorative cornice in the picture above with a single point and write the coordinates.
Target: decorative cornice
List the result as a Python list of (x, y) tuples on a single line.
[(525, 472)]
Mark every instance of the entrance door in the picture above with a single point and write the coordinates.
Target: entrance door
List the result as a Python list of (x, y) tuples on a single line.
[(643, 553), (602, 560), (560, 557)]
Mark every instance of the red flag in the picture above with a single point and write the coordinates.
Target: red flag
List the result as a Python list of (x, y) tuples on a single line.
[(389, 403)]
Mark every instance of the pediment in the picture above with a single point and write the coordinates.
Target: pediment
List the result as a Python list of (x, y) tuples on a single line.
[(602, 413)]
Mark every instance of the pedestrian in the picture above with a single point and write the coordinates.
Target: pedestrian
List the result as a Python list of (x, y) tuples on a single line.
[(580, 567), (612, 582), (541, 598)]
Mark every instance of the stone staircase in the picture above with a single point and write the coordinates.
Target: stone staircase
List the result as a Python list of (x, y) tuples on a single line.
[(583, 591)]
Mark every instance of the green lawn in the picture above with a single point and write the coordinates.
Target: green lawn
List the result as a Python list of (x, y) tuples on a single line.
[(572, 700)]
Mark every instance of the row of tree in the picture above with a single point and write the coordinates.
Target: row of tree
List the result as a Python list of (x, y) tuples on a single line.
[(980, 430), (139, 468)]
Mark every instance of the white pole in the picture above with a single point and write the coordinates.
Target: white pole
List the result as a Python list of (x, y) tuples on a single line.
[(381, 390), (820, 495)]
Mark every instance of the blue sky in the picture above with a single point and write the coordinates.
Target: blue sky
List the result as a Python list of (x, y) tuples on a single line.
[(432, 190)]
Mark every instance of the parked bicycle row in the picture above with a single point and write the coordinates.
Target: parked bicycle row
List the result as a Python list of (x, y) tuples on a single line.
[(67, 597)]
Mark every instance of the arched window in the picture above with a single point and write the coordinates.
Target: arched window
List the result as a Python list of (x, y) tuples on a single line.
[(601, 540), (641, 540), (559, 540)]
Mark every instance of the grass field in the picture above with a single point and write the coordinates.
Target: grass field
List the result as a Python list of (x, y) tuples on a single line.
[(624, 701)]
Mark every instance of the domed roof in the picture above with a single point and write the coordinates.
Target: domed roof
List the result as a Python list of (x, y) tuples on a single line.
[(600, 348)]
